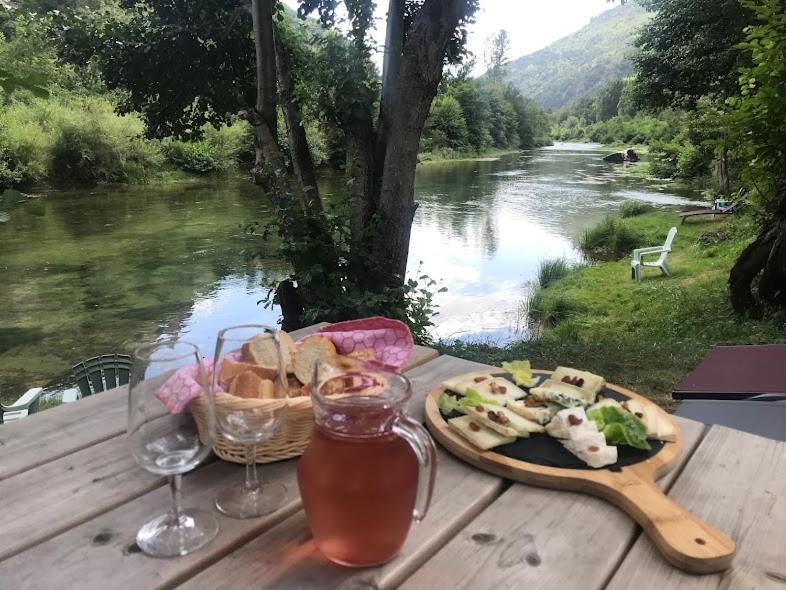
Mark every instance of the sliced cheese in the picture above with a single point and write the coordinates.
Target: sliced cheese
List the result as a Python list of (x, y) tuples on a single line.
[(592, 383), (539, 414), (564, 394), (498, 389), (457, 384), (507, 422), (479, 435)]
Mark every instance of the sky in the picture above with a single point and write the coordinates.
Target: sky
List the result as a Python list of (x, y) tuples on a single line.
[(531, 24)]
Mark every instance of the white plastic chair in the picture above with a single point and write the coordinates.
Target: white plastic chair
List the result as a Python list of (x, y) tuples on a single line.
[(23, 407), (639, 253)]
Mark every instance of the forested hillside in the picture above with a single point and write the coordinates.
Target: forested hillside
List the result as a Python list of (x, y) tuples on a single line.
[(578, 65)]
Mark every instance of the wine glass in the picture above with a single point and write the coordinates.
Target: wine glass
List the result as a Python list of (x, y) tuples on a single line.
[(168, 444), (250, 424)]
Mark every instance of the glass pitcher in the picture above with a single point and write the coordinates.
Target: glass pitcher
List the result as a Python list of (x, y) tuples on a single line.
[(369, 469)]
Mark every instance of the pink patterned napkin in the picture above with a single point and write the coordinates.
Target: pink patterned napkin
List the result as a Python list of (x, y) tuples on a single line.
[(390, 340), (183, 386)]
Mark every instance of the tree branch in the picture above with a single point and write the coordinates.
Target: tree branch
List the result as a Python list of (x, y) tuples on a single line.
[(302, 162)]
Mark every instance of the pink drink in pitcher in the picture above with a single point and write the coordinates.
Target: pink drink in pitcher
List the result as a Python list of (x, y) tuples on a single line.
[(369, 469)]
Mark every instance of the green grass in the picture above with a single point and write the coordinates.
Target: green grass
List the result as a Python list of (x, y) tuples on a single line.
[(611, 239), (552, 270), (634, 208), (644, 336)]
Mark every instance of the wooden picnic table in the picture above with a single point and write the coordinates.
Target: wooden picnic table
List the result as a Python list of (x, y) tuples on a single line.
[(73, 499)]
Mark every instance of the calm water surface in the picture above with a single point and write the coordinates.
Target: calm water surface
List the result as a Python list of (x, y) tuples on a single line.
[(91, 272)]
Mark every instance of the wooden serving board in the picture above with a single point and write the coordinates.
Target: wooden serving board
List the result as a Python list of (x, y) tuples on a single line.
[(685, 541)]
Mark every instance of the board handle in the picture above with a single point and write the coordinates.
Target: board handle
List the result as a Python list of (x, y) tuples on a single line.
[(684, 540)]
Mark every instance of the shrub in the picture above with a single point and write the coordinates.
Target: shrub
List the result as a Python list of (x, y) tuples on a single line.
[(549, 311), (610, 239), (74, 139), (218, 150), (98, 146), (552, 270), (634, 208)]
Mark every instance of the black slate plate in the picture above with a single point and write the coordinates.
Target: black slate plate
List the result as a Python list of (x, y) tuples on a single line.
[(542, 449)]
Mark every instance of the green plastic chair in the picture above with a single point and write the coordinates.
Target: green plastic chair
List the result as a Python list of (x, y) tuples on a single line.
[(23, 407), (103, 372)]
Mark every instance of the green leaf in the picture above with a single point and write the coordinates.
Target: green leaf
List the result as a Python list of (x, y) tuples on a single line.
[(521, 372), (620, 427)]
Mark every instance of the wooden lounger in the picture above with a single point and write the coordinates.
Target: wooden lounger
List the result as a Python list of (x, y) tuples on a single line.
[(729, 209)]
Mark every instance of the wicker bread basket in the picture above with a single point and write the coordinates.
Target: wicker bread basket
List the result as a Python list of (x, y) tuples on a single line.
[(290, 441)]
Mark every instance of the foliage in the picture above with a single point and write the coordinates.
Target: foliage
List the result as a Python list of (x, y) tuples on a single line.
[(755, 117), (634, 208), (611, 239), (411, 302), (552, 270), (548, 312), (445, 127), (579, 64), (689, 50), (218, 150), (72, 139), (471, 115)]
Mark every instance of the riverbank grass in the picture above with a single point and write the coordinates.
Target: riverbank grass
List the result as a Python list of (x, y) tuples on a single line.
[(648, 335)]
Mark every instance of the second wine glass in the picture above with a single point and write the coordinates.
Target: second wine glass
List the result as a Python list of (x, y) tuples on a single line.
[(250, 422)]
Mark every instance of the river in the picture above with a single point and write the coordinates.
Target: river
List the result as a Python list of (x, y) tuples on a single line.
[(97, 271)]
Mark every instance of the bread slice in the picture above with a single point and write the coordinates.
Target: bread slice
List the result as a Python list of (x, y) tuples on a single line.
[(311, 350), (287, 349), (261, 350), (249, 384), (230, 369)]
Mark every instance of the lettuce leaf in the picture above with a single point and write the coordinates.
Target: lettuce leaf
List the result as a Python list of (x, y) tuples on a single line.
[(521, 372), (448, 403), (620, 427)]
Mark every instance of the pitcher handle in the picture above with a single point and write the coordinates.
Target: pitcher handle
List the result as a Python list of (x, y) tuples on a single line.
[(426, 454)]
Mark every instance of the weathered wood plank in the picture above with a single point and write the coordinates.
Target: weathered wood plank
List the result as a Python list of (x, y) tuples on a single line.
[(54, 497), (285, 557), (54, 433), (103, 549), (540, 538), (420, 356), (68, 428), (737, 482)]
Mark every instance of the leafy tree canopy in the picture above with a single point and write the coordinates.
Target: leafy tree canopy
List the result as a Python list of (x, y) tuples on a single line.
[(688, 50)]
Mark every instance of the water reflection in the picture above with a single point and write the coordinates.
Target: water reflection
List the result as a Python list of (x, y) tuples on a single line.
[(484, 227), (104, 271)]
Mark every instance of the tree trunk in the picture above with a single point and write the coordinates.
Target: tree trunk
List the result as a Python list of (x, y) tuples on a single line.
[(723, 171), (419, 77), (302, 162), (766, 256), (391, 67), (268, 164)]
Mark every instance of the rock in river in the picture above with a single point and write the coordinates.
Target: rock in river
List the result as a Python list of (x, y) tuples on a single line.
[(628, 155)]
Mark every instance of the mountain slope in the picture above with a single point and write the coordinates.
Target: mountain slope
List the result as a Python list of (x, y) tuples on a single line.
[(579, 64)]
